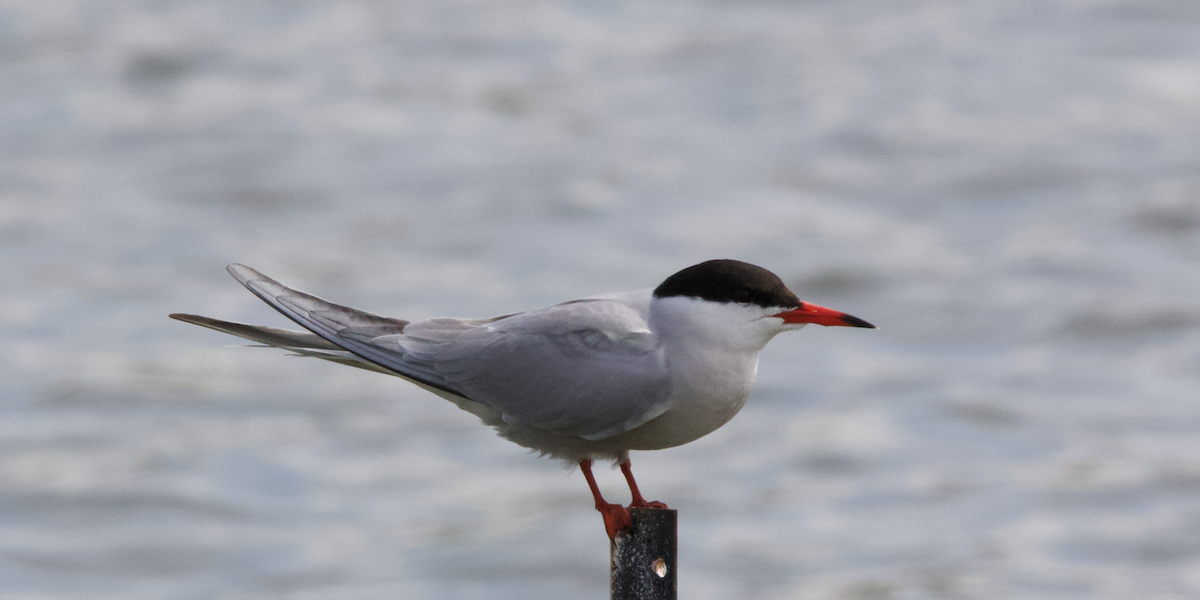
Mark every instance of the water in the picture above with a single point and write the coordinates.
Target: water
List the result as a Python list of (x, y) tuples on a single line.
[(1009, 189)]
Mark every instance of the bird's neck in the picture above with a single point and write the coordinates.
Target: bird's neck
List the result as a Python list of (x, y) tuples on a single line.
[(712, 358), (683, 323)]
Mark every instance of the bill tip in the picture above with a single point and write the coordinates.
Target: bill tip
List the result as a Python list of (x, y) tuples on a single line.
[(857, 322)]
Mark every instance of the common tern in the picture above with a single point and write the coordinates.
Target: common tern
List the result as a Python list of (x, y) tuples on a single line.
[(586, 379)]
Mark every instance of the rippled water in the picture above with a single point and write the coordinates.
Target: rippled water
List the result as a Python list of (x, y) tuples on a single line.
[(1011, 190)]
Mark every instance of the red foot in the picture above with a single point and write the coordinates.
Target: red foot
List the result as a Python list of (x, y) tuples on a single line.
[(638, 500), (616, 518)]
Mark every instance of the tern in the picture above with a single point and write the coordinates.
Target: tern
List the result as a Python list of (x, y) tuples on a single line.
[(582, 380)]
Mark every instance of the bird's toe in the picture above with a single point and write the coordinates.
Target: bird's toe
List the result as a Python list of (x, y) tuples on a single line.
[(616, 518)]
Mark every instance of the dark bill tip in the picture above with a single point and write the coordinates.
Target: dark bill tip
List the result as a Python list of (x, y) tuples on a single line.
[(850, 321)]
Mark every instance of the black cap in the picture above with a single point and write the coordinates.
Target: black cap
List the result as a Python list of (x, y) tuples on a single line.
[(729, 281)]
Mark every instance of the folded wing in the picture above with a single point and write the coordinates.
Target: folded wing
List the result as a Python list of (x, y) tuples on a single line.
[(589, 368)]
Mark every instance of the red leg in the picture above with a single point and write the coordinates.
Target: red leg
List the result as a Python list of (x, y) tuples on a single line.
[(616, 517), (638, 500)]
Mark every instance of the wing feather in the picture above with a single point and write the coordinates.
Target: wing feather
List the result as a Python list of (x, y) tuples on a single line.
[(589, 368), (327, 319), (592, 370)]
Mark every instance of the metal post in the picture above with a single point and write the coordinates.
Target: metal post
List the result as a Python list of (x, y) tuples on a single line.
[(643, 556)]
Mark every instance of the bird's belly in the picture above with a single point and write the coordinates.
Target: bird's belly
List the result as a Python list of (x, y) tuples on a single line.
[(694, 413), (706, 398), (673, 428)]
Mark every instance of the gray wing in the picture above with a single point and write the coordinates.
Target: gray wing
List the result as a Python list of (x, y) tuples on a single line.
[(344, 327), (588, 368)]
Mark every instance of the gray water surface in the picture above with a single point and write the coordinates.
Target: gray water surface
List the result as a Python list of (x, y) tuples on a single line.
[(1009, 189)]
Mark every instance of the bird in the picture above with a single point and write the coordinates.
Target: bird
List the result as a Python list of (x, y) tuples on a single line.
[(583, 380)]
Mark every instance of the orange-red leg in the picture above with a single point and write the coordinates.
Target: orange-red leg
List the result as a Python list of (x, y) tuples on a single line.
[(638, 500), (616, 517)]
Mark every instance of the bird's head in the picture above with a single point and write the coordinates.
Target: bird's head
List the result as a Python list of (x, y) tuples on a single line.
[(734, 292)]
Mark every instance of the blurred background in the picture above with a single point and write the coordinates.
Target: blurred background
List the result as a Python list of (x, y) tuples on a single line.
[(1010, 189)]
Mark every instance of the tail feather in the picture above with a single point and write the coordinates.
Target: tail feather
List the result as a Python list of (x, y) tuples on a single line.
[(281, 338), (339, 333), (302, 343)]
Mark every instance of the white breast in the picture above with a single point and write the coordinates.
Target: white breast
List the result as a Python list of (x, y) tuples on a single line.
[(711, 352)]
